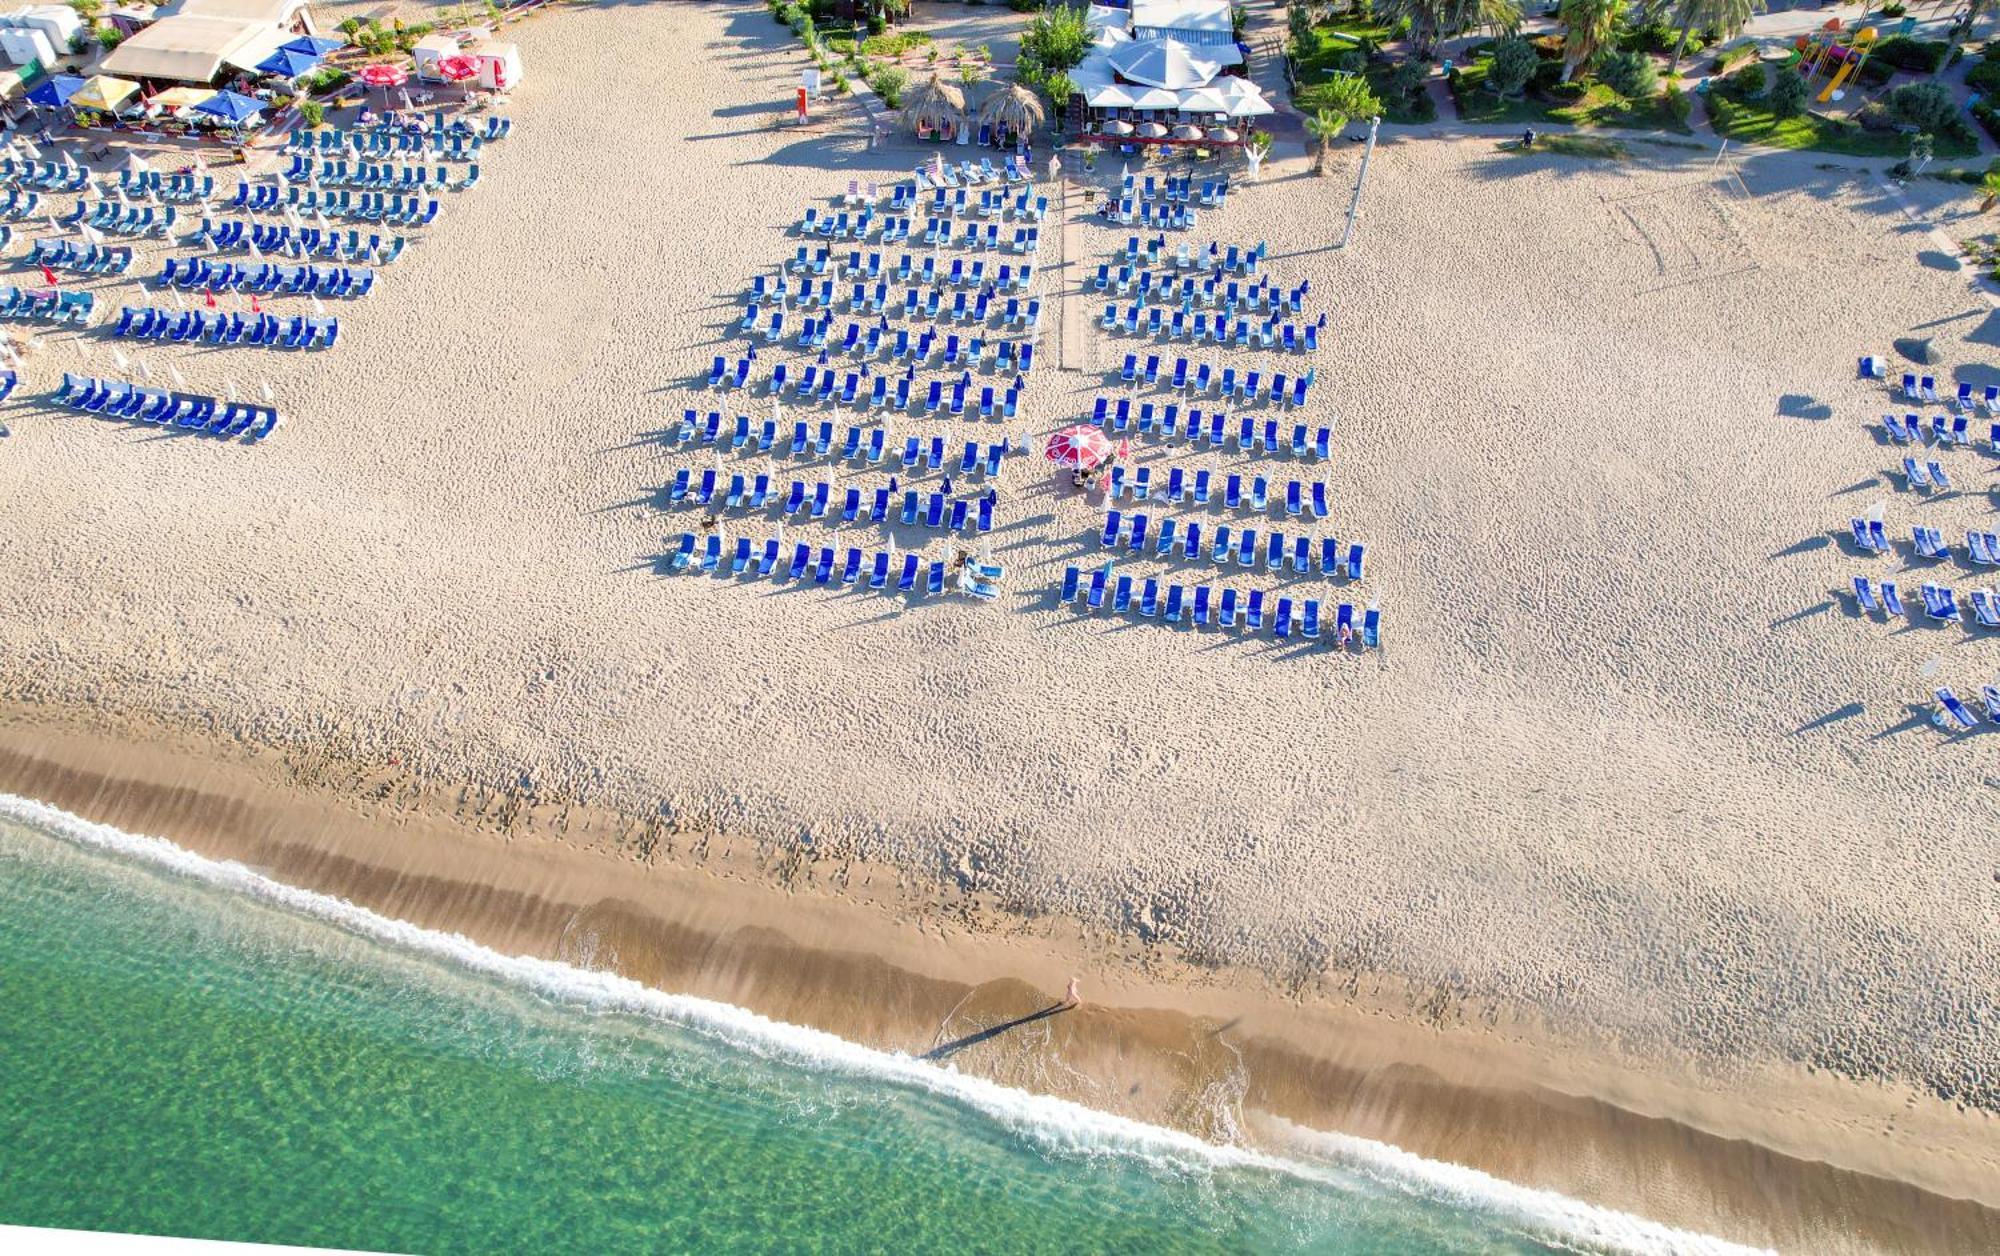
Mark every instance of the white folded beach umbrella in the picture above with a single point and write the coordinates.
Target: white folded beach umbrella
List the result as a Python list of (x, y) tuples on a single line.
[(1151, 131), (1187, 132), (174, 373), (1224, 135), (1118, 126)]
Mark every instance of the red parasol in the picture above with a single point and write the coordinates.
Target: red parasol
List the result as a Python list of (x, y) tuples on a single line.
[(383, 74), (456, 69), (1081, 447)]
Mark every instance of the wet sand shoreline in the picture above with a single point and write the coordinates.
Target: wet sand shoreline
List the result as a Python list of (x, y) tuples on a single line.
[(1781, 1158)]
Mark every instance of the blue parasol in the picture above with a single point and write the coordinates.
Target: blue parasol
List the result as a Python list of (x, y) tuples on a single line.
[(231, 106), (55, 90)]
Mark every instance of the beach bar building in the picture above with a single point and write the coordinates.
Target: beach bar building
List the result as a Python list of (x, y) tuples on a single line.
[(1164, 72)]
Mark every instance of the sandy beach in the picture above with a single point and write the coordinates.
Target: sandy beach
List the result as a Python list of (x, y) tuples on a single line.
[(1634, 821)]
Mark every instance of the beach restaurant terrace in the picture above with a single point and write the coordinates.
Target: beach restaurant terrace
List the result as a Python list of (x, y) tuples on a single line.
[(1163, 91)]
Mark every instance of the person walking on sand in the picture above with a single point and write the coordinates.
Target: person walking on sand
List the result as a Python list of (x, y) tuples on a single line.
[(1071, 997)]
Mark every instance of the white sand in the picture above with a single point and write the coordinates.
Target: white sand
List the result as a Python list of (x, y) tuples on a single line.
[(1585, 771)]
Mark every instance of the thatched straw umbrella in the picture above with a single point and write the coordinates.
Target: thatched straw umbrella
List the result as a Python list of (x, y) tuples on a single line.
[(934, 105), (1012, 108)]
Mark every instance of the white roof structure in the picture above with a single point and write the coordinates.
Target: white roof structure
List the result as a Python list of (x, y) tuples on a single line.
[(269, 12), (190, 49), (1162, 63), (1157, 69), (1181, 15)]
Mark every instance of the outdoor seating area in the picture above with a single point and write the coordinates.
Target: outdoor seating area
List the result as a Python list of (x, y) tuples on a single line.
[(972, 318), (1145, 448)]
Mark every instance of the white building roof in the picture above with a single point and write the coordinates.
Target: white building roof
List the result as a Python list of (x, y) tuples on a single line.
[(1181, 15), (190, 49)]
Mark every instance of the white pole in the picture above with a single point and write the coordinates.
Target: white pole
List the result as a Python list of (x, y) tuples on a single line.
[(1354, 206)]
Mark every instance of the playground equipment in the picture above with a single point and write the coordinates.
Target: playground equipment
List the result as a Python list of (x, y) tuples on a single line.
[(1833, 51)]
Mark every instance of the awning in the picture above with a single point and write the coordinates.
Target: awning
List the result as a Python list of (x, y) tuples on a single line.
[(103, 92), (54, 90), (231, 106), (190, 49), (181, 97), (287, 64), (1162, 63)]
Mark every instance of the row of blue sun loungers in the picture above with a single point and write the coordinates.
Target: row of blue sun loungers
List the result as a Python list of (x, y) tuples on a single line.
[(1151, 287), (232, 234), (1925, 477), (1198, 380), (969, 172), (48, 304), (1957, 714), (1238, 493), (1185, 540), (115, 398), (392, 208), (198, 274), (965, 309), (131, 220), (819, 385), (1153, 215), (87, 259), (1122, 417), (884, 569), (1982, 548), (1024, 205), (178, 189), (457, 139), (938, 232), (19, 203), (924, 271), (1245, 260), (1924, 388), (1174, 602), (213, 327), (1940, 601), (46, 176), (1245, 333), (905, 344), (816, 501), (383, 176), (1179, 190), (1944, 430), (871, 444)]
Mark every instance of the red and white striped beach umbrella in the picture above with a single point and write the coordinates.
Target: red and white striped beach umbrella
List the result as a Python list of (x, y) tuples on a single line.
[(1081, 447), (383, 74), (456, 69)]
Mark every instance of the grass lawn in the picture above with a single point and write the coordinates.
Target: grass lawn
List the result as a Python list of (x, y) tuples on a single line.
[(1317, 63), (1601, 106), (1576, 146), (1753, 123), (1476, 104)]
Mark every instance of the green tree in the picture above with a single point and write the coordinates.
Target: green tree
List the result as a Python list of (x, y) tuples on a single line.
[(1726, 17), (1630, 73), (1925, 106), (1589, 26), (1513, 64), (1057, 38), (1434, 20), (1340, 102), (1788, 94), (1989, 189)]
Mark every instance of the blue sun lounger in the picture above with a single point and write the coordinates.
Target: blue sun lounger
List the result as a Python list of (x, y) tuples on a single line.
[(823, 570), (1095, 598), (1371, 627), (711, 553), (1225, 616), (769, 562), (1069, 585), (1200, 605), (1121, 600), (908, 579), (1892, 599), (742, 556), (683, 553), (1955, 713)]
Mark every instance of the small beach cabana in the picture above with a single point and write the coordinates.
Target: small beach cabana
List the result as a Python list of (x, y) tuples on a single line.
[(1011, 111), (934, 108)]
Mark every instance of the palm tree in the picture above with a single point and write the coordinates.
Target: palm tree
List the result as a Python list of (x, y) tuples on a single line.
[(1727, 17), (1434, 20), (1340, 102), (933, 104), (1589, 26)]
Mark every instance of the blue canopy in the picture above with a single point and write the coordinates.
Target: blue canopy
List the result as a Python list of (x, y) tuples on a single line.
[(288, 62), (231, 105), (55, 90), (312, 45)]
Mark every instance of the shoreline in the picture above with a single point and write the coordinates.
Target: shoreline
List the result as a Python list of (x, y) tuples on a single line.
[(1770, 1157)]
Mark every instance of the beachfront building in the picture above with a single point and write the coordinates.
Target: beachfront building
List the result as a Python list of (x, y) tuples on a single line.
[(1164, 72), (207, 42)]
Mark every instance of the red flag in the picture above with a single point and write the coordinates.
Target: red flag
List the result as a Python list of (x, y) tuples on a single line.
[(208, 294), (254, 307), (48, 276)]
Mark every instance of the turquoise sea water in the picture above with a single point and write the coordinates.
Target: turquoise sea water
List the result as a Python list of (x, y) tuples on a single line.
[(191, 1050)]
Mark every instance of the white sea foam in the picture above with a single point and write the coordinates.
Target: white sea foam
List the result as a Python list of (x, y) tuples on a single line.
[(1056, 1125)]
